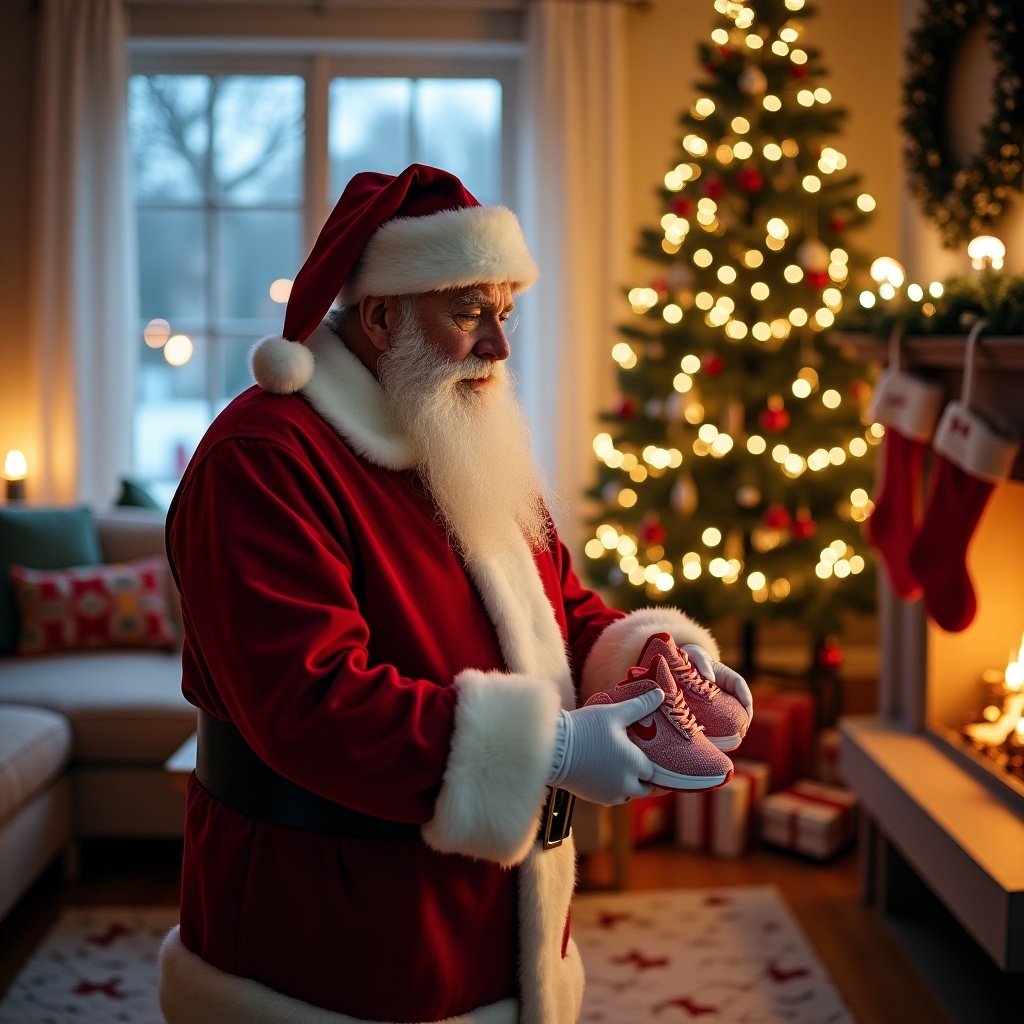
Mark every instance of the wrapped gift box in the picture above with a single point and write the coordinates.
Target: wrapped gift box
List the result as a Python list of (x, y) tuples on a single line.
[(771, 739), (760, 775), (653, 817), (721, 821), (811, 817), (802, 710)]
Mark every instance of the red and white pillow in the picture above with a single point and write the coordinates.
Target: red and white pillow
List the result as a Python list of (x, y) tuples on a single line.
[(116, 605)]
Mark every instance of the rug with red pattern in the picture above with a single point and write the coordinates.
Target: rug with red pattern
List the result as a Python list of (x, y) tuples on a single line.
[(722, 956)]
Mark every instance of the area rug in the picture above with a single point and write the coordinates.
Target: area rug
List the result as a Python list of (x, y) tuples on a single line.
[(725, 956)]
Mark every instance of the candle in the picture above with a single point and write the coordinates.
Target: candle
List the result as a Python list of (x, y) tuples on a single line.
[(15, 471)]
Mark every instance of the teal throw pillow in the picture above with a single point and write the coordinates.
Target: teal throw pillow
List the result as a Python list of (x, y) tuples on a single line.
[(133, 494), (41, 538)]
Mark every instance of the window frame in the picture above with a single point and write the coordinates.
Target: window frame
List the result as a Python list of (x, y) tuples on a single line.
[(317, 63)]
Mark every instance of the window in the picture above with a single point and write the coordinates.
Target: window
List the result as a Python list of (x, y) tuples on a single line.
[(234, 173)]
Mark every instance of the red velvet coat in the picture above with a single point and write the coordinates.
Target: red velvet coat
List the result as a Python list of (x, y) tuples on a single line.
[(328, 618)]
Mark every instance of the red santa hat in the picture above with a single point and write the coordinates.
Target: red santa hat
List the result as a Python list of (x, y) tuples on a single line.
[(419, 231)]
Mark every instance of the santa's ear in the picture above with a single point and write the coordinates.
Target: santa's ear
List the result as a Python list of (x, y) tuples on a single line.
[(376, 317)]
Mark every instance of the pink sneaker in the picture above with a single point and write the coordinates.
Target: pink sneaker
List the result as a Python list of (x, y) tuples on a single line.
[(683, 757), (723, 717)]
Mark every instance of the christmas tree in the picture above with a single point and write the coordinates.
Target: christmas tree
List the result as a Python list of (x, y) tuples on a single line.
[(734, 471)]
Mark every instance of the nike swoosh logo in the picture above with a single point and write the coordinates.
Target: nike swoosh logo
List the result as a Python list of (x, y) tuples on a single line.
[(644, 732)]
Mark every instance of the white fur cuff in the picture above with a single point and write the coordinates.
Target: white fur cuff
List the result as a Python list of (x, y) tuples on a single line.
[(618, 647), (499, 762)]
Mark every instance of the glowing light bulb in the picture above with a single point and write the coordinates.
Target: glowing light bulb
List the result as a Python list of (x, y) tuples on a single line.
[(986, 251), (885, 268)]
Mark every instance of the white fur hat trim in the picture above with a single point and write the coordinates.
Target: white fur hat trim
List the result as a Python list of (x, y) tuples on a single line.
[(449, 249)]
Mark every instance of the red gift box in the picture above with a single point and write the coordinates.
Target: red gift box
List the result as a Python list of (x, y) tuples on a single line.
[(771, 739), (652, 817), (801, 707)]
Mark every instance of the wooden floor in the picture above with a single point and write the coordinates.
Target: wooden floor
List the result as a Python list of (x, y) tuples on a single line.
[(875, 979)]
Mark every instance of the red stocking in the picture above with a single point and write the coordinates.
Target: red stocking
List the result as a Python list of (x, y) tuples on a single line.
[(897, 509), (908, 408), (970, 460)]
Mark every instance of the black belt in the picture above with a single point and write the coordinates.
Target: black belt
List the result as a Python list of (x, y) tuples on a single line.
[(231, 772)]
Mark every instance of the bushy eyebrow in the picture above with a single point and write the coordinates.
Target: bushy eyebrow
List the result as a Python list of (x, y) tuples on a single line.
[(482, 300)]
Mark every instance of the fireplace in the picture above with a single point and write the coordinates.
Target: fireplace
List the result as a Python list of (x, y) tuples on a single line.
[(969, 704), (942, 852)]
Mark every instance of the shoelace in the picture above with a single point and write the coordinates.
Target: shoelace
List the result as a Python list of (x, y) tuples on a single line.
[(680, 711), (691, 677)]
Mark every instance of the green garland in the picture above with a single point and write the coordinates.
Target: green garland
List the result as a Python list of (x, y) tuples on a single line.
[(964, 201), (996, 296)]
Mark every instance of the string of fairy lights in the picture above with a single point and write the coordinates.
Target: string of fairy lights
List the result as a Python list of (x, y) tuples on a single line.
[(721, 555)]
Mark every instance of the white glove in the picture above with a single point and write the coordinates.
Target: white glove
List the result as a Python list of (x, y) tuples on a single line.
[(722, 676), (595, 759)]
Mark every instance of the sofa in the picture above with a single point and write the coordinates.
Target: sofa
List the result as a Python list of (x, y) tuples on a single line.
[(85, 733)]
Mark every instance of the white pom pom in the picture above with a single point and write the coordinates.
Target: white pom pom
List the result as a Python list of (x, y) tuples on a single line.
[(279, 366)]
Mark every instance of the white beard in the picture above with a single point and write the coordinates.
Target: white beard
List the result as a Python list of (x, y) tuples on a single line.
[(472, 444)]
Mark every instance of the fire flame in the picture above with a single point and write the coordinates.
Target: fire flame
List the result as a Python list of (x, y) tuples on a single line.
[(1013, 677)]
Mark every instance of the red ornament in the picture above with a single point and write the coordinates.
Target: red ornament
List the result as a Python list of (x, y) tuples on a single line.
[(660, 285), (652, 532), (750, 179), (776, 517), (726, 51), (830, 654), (625, 410), (774, 418), (816, 278), (859, 390), (837, 225), (711, 364), (681, 206), (713, 187), (803, 526), (798, 70)]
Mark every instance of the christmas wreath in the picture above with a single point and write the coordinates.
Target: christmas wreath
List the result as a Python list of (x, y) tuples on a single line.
[(964, 201)]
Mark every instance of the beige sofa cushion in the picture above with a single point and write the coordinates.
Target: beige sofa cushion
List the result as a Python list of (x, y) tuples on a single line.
[(125, 707), (35, 745)]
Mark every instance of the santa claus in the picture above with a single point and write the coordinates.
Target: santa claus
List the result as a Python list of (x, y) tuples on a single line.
[(388, 648)]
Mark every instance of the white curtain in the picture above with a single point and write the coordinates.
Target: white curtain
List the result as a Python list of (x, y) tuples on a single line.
[(572, 184), (82, 277)]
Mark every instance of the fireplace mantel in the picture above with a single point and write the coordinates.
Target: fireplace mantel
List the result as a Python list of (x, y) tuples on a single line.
[(999, 371)]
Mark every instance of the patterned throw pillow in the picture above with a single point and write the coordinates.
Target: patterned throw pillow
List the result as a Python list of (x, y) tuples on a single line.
[(122, 605)]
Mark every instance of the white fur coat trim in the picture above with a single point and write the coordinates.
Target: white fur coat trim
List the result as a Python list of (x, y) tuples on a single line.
[(349, 398), (499, 762), (449, 249), (551, 989), (528, 633), (618, 647), (192, 991)]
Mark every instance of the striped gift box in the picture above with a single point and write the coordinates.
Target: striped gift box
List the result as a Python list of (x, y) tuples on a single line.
[(810, 817)]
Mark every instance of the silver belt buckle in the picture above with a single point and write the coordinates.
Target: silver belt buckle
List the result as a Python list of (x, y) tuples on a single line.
[(556, 818)]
